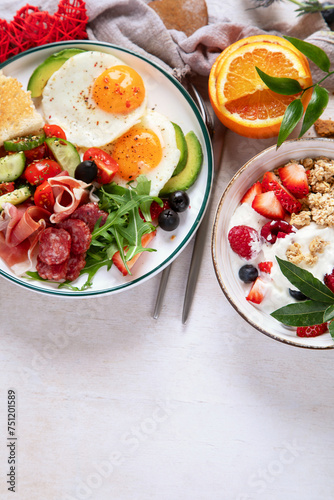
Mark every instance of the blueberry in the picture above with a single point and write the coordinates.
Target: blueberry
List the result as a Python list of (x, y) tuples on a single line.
[(86, 171), (328, 14), (179, 201), (248, 273), (296, 294), (168, 220)]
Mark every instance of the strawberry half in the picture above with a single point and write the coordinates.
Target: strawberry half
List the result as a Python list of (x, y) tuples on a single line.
[(257, 292), (251, 193), (117, 260), (271, 182), (268, 205), (294, 178), (311, 331)]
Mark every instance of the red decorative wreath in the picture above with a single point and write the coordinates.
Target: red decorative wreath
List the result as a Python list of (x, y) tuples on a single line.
[(31, 27)]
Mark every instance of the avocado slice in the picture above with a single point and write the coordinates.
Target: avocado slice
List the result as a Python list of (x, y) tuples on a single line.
[(45, 70), (189, 174), (183, 148)]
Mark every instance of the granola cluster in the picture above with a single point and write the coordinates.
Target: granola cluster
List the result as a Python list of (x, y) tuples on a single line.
[(295, 255), (319, 204)]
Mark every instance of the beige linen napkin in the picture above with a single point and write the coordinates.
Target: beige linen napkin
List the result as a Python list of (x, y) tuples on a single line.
[(134, 25)]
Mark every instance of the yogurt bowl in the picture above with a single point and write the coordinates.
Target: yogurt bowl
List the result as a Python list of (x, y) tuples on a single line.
[(227, 263)]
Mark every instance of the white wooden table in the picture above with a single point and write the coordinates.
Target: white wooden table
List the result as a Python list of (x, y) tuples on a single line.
[(114, 405)]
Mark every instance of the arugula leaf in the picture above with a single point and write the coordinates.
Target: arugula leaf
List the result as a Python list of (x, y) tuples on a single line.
[(317, 55), (284, 86), (315, 108), (292, 116), (91, 268), (306, 313), (35, 276), (306, 282), (144, 187)]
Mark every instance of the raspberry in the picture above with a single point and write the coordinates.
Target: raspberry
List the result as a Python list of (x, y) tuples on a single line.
[(244, 241), (329, 280), (311, 331), (276, 229)]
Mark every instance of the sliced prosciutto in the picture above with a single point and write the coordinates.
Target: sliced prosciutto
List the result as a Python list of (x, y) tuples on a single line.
[(69, 193), (19, 230), (20, 222)]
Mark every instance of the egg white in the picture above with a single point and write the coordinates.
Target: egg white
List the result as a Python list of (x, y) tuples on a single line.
[(67, 102), (164, 129)]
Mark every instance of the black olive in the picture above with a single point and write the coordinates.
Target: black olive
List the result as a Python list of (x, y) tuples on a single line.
[(328, 14), (86, 171), (248, 273), (168, 220), (179, 201), (296, 294)]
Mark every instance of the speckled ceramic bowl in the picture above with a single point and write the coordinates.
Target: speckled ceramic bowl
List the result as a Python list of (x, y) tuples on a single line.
[(221, 253)]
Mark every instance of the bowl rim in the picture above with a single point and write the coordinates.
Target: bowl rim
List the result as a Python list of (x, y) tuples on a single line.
[(214, 243)]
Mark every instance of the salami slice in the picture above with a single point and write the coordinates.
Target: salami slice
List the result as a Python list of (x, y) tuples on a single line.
[(80, 235), (54, 272), (54, 245), (90, 214), (75, 264)]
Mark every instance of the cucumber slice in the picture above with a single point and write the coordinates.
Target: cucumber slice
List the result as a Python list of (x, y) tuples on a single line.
[(15, 197), (12, 166), (65, 153), (25, 143)]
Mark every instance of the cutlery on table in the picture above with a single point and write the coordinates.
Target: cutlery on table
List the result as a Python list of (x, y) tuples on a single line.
[(200, 235)]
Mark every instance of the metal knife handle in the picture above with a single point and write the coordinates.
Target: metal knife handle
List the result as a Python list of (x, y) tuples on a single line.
[(161, 291), (195, 264)]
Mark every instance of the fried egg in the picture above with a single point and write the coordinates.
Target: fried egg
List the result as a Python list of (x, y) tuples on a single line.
[(148, 148), (95, 98)]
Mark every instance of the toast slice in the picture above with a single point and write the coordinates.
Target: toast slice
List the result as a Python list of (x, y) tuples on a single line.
[(18, 115)]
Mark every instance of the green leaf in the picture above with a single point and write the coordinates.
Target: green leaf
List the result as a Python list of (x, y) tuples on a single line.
[(143, 187), (306, 282), (329, 314), (315, 108), (91, 268), (331, 329), (292, 115), (284, 86), (317, 55), (306, 313)]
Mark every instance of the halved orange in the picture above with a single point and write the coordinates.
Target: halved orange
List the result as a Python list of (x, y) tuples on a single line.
[(240, 98), (258, 39)]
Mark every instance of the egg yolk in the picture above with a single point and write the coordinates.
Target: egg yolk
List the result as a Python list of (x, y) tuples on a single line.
[(137, 152), (119, 89)]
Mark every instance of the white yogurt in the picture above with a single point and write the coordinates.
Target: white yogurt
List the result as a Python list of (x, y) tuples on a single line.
[(277, 293)]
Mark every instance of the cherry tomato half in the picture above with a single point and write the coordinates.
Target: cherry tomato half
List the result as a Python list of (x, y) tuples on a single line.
[(43, 196), (6, 187), (40, 170), (36, 153), (106, 165), (54, 131)]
